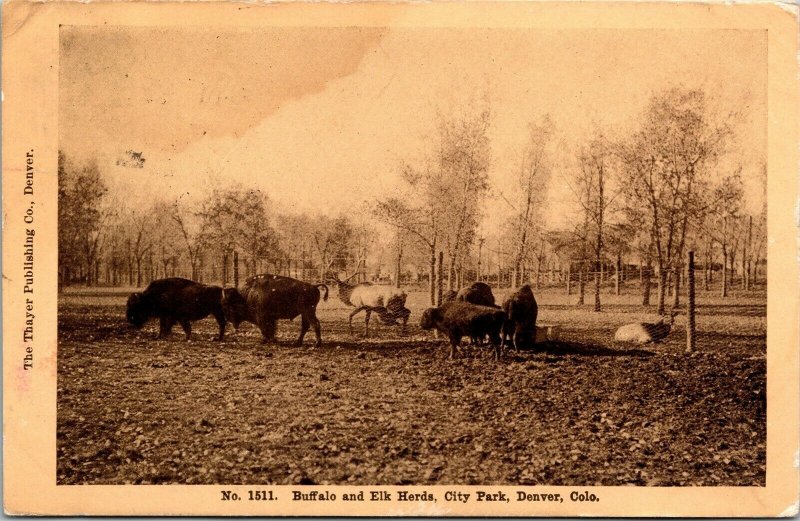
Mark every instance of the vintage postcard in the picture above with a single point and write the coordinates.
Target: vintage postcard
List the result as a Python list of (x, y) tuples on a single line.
[(400, 259)]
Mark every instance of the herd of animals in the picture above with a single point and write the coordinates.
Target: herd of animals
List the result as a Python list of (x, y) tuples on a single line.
[(264, 299)]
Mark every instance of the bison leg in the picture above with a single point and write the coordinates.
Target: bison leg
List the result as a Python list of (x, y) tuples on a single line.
[(221, 322), (187, 328), (455, 339), (267, 328), (165, 327), (303, 328), (495, 340), (317, 330)]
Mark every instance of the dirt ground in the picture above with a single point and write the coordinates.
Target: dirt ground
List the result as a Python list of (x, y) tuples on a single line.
[(392, 409)]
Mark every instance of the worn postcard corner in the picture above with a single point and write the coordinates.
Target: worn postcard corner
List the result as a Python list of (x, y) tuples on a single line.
[(400, 259)]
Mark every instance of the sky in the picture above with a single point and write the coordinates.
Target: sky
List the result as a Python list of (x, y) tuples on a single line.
[(321, 119)]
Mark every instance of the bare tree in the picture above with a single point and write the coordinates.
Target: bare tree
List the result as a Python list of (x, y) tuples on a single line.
[(725, 209), (595, 198), (191, 232), (464, 158), (419, 223), (81, 217), (663, 163), (534, 173), (139, 243), (235, 217)]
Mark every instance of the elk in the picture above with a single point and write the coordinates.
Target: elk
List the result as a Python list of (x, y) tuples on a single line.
[(645, 332), (388, 302)]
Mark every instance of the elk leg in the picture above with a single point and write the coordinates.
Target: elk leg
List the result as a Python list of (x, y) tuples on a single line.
[(187, 328), (221, 321), (354, 313), (366, 323), (165, 327), (303, 328)]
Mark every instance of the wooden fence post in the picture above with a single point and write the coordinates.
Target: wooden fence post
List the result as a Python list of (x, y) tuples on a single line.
[(690, 323), (440, 279), (235, 269)]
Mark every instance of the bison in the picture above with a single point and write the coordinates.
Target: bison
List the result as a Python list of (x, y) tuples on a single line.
[(521, 311), (478, 293), (266, 298), (176, 300), (458, 319)]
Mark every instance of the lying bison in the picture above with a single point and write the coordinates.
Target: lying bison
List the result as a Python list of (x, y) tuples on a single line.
[(264, 299), (176, 300), (522, 311), (458, 319)]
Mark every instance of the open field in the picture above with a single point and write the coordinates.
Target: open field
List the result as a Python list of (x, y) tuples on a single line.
[(392, 409)]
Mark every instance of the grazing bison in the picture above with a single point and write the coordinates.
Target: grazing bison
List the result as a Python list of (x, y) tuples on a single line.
[(458, 319), (522, 311), (478, 293), (266, 298), (176, 300)]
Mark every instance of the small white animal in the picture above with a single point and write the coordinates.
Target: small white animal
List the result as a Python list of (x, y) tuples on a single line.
[(645, 332)]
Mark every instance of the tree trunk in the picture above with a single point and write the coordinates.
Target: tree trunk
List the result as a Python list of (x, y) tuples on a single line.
[(724, 273), (676, 296), (397, 267), (619, 275), (646, 272), (569, 278), (451, 273), (596, 292), (581, 286), (440, 281), (432, 281), (662, 288)]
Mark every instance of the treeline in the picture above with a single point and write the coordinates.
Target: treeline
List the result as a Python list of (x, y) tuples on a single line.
[(651, 193), (646, 195), (105, 242)]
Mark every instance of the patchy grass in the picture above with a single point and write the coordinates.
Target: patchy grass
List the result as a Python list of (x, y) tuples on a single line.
[(392, 409)]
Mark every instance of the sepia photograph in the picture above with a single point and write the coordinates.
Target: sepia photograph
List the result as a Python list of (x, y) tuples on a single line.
[(508, 259), (374, 256)]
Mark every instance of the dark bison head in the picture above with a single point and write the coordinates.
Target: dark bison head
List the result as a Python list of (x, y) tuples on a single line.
[(137, 312), (430, 317), (234, 306)]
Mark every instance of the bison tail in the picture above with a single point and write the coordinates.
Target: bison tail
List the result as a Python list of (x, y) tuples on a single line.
[(324, 295)]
